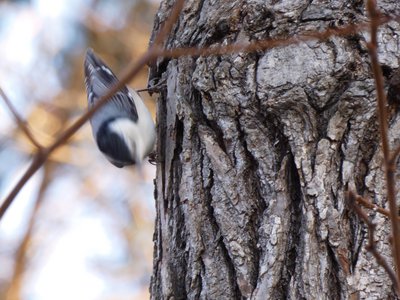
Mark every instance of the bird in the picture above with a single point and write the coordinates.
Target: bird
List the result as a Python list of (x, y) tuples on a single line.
[(123, 127)]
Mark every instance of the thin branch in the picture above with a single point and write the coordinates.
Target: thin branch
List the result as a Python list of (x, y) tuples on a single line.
[(155, 88), (14, 290), (371, 247), (169, 23), (367, 204), (37, 162), (150, 89), (21, 123), (375, 17)]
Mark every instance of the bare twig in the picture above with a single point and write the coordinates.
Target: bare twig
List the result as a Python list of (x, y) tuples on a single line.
[(21, 123), (371, 247), (375, 16), (14, 290), (155, 88), (169, 23), (367, 204), (37, 162)]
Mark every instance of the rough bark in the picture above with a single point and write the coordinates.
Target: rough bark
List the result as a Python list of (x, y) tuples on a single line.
[(256, 150)]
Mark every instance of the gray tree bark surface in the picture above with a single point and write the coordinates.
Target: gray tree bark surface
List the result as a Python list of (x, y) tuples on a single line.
[(255, 151)]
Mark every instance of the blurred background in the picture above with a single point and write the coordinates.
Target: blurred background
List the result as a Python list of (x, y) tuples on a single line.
[(80, 228)]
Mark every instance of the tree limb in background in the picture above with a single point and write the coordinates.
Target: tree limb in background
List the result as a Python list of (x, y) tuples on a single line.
[(367, 204), (22, 124), (371, 247), (21, 260), (169, 23)]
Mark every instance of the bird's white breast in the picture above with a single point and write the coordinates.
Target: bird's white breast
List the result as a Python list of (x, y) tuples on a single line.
[(139, 136)]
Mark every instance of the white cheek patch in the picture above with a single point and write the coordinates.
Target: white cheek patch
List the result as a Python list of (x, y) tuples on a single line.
[(129, 131)]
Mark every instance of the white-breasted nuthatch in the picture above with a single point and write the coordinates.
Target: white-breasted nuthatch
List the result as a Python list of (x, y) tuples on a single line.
[(123, 127)]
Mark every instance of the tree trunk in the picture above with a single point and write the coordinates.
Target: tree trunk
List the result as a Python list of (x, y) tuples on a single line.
[(255, 152)]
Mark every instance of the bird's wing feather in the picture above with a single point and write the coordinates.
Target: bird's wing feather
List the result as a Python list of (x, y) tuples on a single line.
[(99, 79)]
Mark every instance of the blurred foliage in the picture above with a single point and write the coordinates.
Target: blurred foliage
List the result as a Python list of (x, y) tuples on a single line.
[(79, 204)]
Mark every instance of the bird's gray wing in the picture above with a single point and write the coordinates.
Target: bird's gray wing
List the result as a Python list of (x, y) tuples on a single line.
[(99, 79)]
